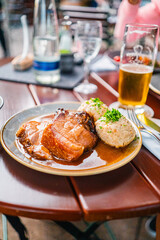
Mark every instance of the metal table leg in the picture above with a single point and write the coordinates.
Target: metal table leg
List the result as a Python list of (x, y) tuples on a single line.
[(77, 233), (4, 227), (18, 227)]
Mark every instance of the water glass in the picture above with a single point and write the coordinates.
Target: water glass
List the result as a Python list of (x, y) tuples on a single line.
[(88, 38)]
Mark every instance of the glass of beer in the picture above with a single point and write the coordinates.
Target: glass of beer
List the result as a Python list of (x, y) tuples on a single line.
[(137, 59)]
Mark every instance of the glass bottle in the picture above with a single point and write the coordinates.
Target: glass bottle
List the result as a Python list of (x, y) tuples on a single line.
[(65, 45), (46, 42)]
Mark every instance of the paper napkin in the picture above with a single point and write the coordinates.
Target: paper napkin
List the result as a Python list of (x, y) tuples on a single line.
[(103, 64), (150, 142)]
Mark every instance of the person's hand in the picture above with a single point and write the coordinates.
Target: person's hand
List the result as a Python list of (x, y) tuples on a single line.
[(134, 2)]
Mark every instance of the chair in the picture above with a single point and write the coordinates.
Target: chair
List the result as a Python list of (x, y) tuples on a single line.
[(88, 13)]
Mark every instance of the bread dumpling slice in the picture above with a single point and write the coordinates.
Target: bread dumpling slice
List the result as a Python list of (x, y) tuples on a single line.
[(114, 129), (94, 107)]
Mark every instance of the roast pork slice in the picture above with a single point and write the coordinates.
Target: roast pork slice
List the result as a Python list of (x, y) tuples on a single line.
[(60, 146), (69, 135), (29, 135), (66, 136)]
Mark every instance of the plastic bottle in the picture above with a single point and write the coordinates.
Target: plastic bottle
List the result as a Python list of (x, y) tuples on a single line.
[(46, 42)]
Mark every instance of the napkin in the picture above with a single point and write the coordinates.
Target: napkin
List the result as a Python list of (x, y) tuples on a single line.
[(150, 142), (104, 63)]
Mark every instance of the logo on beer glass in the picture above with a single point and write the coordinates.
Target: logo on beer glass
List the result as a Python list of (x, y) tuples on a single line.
[(140, 55)]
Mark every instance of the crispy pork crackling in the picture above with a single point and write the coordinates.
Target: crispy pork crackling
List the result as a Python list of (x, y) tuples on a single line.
[(65, 137)]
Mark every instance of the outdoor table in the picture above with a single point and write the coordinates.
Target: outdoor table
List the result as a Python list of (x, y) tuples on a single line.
[(130, 191)]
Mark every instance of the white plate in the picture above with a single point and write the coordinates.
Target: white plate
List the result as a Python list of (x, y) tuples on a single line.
[(155, 83)]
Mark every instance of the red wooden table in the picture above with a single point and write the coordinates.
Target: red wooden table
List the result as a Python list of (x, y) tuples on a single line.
[(130, 191)]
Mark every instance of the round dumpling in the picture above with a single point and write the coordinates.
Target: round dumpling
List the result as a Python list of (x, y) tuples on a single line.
[(94, 107), (114, 129)]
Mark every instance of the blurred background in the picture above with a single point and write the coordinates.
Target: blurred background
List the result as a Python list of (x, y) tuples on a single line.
[(12, 10)]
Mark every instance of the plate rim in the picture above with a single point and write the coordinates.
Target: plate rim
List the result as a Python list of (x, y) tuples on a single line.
[(63, 172), (154, 89)]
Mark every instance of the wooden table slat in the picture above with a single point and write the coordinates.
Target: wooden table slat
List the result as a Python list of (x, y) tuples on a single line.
[(31, 193), (149, 167), (24, 191), (121, 193), (47, 94)]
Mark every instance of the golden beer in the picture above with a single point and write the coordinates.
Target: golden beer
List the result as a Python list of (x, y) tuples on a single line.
[(134, 82)]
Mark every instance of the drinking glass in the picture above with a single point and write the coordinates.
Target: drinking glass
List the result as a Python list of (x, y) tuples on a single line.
[(1, 102), (88, 37), (137, 59)]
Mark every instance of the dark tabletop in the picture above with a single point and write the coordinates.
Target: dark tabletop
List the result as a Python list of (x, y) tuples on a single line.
[(130, 191)]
